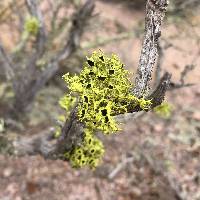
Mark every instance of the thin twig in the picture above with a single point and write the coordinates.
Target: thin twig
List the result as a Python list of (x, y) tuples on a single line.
[(7, 64), (181, 83), (41, 36), (106, 41), (119, 167), (33, 79)]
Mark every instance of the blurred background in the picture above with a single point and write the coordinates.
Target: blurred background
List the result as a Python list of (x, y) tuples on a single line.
[(155, 157)]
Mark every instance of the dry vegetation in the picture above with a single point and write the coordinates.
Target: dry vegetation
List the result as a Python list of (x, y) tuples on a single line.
[(153, 158)]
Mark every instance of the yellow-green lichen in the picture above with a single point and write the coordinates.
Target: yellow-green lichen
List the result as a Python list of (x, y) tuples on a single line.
[(57, 131), (103, 88), (67, 102), (164, 110), (89, 153), (144, 104), (31, 25)]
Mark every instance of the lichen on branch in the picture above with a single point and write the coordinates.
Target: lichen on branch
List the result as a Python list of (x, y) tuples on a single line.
[(103, 90), (31, 25)]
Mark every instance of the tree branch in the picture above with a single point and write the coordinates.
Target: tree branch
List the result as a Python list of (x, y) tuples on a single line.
[(6, 63), (37, 79), (47, 145), (72, 131), (155, 12), (181, 84), (79, 23), (41, 36), (158, 95)]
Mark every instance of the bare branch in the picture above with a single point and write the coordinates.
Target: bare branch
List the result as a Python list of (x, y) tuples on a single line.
[(181, 5), (79, 23), (41, 143), (37, 79), (120, 167), (41, 36), (6, 63), (174, 86), (55, 10), (17, 9), (158, 95), (185, 71), (71, 134), (155, 12), (181, 84), (47, 145)]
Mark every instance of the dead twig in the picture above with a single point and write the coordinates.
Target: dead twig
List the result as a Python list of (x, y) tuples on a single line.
[(7, 64), (120, 167), (182, 84), (33, 79)]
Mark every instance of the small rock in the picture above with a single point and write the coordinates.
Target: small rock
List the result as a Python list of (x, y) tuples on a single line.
[(196, 116), (136, 191), (7, 172), (158, 127), (12, 188)]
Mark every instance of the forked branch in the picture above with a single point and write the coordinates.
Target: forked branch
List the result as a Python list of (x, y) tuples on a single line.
[(72, 130), (155, 12)]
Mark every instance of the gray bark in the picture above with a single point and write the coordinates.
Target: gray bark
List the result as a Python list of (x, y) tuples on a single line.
[(71, 134), (155, 12)]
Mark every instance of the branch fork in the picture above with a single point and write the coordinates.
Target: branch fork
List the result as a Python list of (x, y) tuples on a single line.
[(72, 130)]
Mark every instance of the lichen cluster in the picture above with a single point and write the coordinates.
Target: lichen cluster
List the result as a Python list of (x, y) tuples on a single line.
[(163, 110), (102, 90), (66, 102), (89, 154), (31, 25)]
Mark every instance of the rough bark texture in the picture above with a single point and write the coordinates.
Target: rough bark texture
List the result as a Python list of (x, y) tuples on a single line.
[(47, 145), (155, 12)]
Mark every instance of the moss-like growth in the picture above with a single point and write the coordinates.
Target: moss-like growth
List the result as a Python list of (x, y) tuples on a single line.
[(67, 102), (102, 90), (164, 110), (89, 154), (31, 25)]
